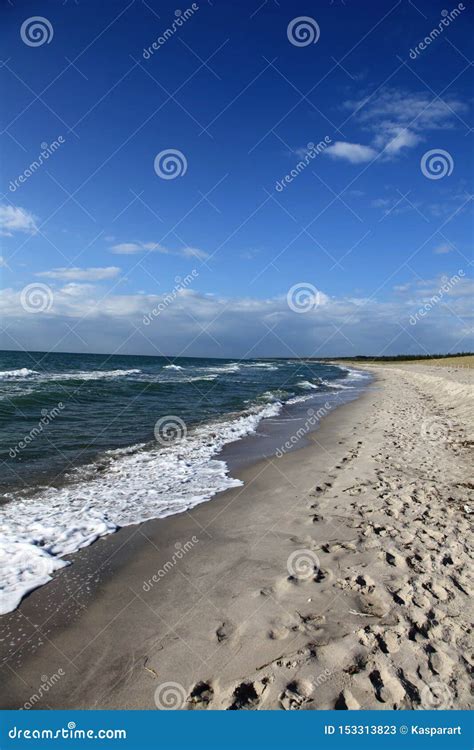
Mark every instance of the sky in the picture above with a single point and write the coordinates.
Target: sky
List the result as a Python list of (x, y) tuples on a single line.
[(230, 179)]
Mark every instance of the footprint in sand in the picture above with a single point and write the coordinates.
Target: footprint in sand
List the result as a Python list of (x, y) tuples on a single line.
[(225, 631), (295, 695), (200, 696), (247, 695)]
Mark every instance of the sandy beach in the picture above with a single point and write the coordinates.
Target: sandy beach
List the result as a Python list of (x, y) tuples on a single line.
[(337, 576)]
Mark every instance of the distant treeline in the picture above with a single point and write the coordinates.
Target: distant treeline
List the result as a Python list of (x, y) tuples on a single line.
[(397, 357)]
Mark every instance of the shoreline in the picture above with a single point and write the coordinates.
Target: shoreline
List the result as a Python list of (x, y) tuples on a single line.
[(227, 621)]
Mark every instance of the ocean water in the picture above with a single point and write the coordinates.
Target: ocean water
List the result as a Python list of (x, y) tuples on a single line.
[(90, 443)]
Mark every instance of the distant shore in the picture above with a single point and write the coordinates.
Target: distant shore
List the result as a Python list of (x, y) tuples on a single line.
[(335, 577)]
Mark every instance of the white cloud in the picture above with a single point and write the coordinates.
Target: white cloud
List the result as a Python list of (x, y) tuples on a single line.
[(133, 248), (353, 152), (198, 324), (81, 274), (394, 108), (403, 138), (398, 119), (127, 248), (16, 219), (442, 249)]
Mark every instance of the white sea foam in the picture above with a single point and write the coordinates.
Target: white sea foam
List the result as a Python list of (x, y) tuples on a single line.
[(299, 399), (231, 367), (25, 373), (354, 374), (22, 373), (136, 484), (93, 375), (262, 365), (307, 385), (339, 386), (173, 367)]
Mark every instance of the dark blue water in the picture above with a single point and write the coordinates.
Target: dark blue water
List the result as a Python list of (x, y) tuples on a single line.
[(58, 411)]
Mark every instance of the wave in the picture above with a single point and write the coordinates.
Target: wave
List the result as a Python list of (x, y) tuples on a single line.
[(299, 399), (173, 367), (276, 395), (126, 488), (307, 385), (339, 386), (22, 373), (232, 367), (261, 365)]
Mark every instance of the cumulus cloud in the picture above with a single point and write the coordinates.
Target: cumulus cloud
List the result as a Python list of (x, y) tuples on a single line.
[(16, 219), (355, 153), (196, 324), (134, 248), (81, 274)]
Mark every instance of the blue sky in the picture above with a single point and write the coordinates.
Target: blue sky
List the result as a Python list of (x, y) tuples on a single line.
[(94, 239)]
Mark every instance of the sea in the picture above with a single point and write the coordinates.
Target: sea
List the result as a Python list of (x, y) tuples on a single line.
[(90, 442)]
